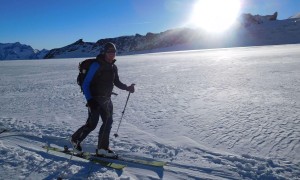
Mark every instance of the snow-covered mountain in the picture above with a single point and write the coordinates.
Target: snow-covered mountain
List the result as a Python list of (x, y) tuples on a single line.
[(41, 53), (248, 19), (15, 51), (296, 16), (251, 30)]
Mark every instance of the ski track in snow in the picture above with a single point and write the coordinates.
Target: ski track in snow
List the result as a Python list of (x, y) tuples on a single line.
[(211, 114)]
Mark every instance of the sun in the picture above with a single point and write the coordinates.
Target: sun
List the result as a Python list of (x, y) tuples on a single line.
[(215, 15)]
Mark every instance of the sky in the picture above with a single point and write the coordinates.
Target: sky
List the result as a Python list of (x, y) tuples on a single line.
[(52, 24)]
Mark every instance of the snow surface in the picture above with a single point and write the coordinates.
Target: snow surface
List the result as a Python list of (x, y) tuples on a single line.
[(211, 114)]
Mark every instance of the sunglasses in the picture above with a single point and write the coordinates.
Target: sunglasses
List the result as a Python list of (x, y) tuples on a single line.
[(111, 51)]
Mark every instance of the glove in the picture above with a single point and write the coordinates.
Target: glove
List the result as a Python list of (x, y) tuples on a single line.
[(130, 88), (92, 103)]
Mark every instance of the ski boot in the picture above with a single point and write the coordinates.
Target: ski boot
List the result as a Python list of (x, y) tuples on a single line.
[(106, 153)]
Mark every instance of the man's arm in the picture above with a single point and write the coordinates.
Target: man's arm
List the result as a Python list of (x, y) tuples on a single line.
[(117, 81)]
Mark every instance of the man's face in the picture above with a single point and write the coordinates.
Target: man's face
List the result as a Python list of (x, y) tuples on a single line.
[(110, 55)]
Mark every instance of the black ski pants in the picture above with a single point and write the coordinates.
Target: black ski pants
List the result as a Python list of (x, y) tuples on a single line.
[(105, 110)]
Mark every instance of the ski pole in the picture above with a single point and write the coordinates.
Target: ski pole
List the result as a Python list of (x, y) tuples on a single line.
[(116, 134)]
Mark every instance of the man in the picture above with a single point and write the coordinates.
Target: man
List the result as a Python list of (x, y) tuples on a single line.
[(97, 88)]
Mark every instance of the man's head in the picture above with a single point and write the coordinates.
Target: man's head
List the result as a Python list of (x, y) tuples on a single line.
[(109, 51)]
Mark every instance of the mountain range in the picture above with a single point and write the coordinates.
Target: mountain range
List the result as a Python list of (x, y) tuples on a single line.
[(250, 30)]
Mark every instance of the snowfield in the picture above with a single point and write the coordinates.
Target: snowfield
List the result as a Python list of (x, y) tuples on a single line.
[(230, 113)]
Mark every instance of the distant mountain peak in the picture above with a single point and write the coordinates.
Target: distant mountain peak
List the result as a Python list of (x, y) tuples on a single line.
[(15, 51), (248, 19), (296, 16), (79, 42)]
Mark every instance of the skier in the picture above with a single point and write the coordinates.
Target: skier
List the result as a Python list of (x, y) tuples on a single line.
[(97, 88)]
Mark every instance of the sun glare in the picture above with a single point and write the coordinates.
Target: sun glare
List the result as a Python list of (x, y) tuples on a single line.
[(215, 15)]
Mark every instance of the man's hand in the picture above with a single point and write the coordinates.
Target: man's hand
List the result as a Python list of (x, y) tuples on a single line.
[(130, 88)]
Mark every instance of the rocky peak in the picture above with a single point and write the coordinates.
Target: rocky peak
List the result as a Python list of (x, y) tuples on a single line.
[(248, 19)]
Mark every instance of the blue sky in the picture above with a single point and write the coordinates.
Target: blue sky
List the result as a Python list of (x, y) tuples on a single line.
[(52, 24)]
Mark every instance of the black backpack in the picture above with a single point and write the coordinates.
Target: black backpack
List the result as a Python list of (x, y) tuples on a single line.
[(83, 68)]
